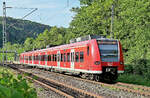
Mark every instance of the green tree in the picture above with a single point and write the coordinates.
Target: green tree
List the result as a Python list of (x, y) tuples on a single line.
[(28, 44)]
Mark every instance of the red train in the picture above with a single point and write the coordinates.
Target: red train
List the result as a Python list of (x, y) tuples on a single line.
[(91, 57)]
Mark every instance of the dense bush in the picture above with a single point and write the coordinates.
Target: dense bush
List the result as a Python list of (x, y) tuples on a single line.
[(134, 79), (15, 87), (141, 68)]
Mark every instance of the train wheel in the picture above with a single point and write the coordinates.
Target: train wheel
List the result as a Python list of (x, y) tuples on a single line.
[(83, 75), (97, 78), (91, 77)]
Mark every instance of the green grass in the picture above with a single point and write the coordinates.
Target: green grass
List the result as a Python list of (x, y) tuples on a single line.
[(133, 79), (14, 86)]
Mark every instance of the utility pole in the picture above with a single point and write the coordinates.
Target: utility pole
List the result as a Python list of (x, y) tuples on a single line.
[(4, 30), (112, 21)]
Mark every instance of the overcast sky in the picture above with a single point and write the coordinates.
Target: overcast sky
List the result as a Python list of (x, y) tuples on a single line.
[(50, 12)]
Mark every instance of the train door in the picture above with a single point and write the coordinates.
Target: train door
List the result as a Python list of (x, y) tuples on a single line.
[(58, 59), (72, 59)]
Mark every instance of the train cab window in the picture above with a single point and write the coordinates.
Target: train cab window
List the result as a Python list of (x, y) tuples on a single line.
[(61, 57), (77, 57), (64, 57), (68, 57), (82, 56)]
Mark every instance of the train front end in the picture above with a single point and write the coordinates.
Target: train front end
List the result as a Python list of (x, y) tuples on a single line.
[(111, 58)]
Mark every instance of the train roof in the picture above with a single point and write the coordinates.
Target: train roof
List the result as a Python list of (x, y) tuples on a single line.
[(78, 41)]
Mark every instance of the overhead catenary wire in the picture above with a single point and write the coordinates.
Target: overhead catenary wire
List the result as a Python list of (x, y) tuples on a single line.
[(33, 10)]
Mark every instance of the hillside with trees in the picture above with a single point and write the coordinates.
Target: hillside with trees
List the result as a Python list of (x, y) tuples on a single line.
[(18, 30)]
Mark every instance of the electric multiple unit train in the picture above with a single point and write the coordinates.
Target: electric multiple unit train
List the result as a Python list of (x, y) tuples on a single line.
[(92, 57)]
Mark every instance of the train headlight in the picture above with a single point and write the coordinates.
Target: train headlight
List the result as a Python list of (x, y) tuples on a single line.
[(97, 62)]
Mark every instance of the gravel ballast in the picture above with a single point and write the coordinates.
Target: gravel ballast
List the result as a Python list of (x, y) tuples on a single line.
[(87, 86)]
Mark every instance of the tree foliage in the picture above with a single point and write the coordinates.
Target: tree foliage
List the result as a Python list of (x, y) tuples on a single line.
[(131, 27), (52, 37)]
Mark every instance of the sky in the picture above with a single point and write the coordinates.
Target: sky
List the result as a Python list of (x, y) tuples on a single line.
[(50, 12)]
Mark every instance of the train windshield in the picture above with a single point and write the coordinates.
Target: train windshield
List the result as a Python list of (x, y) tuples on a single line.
[(108, 51)]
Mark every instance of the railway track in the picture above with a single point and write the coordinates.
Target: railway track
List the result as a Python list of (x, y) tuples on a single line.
[(142, 90), (60, 88), (136, 89)]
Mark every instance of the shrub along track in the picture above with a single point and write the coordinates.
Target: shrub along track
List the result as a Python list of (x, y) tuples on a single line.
[(135, 89), (60, 88)]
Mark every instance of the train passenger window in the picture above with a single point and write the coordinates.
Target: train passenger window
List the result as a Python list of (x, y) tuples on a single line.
[(88, 50), (45, 57), (68, 57), (64, 57), (77, 56), (73, 56), (49, 57), (55, 57), (61, 57), (41, 57), (30, 58), (81, 56), (37, 58)]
